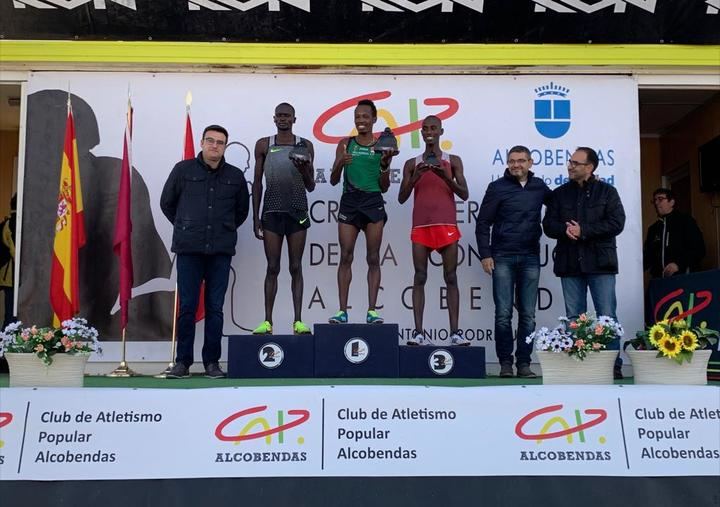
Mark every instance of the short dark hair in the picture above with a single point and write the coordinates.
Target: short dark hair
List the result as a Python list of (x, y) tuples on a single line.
[(666, 192), (216, 128), (591, 155), (520, 149), (433, 118), (370, 104), (285, 104)]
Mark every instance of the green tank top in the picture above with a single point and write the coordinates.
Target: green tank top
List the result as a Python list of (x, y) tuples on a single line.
[(363, 173)]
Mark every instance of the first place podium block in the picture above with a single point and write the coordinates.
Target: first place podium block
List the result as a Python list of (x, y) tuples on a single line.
[(356, 350), (270, 356), (454, 362)]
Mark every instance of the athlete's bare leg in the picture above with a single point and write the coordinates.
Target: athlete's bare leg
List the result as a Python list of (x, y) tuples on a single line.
[(420, 254), (347, 235), (296, 247), (373, 240), (449, 257), (273, 249)]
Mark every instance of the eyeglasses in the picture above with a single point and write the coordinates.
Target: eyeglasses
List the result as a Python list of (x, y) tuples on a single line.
[(211, 141), (517, 161), (659, 198), (575, 163)]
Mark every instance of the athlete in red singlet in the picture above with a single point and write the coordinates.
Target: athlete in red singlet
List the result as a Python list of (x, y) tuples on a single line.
[(435, 178)]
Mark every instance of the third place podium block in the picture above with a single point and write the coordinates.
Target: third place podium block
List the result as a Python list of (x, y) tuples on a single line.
[(456, 362), (356, 350), (270, 356)]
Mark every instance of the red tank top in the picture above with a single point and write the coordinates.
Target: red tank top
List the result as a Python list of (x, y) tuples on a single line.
[(434, 202)]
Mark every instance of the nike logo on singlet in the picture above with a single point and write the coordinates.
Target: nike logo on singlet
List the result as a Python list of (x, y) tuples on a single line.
[(275, 150)]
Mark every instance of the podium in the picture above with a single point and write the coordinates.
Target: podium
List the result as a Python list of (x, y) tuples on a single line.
[(270, 356), (356, 350), (447, 362)]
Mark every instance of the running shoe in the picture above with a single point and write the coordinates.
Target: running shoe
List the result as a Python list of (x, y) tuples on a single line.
[(457, 340), (340, 317), (416, 339), (299, 327), (264, 328), (373, 317)]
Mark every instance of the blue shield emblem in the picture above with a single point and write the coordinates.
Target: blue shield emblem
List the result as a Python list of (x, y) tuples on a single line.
[(552, 110)]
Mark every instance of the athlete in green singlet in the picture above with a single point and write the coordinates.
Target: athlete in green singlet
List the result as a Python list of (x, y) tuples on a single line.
[(366, 176)]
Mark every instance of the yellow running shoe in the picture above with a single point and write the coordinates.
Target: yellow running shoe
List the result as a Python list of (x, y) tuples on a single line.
[(299, 327), (264, 328)]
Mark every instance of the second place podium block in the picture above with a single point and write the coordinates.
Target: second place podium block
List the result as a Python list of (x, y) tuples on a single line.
[(270, 356)]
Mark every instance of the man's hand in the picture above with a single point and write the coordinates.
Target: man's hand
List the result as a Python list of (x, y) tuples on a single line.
[(344, 158), (572, 230), (301, 165), (257, 228), (439, 171), (488, 265), (385, 159), (670, 269), (419, 170)]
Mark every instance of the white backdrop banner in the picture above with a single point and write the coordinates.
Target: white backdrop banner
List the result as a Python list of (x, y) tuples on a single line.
[(66, 434), (483, 117)]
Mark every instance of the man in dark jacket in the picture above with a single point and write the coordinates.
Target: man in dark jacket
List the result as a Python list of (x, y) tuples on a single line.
[(206, 200), (585, 216), (674, 244), (512, 207)]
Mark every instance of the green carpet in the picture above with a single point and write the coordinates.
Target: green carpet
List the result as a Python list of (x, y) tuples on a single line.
[(198, 381)]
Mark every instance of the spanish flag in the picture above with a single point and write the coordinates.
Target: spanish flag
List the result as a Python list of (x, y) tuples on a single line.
[(69, 232)]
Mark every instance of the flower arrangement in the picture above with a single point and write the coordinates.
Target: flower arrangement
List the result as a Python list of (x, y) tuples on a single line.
[(74, 336), (577, 337), (674, 339)]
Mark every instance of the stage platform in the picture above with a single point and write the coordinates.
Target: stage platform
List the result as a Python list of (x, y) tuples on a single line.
[(198, 381)]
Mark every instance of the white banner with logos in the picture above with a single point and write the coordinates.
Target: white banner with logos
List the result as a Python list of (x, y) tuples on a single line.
[(483, 116), (74, 434)]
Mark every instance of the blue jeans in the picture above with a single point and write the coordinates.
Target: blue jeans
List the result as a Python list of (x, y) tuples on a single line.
[(515, 278), (192, 269), (602, 290)]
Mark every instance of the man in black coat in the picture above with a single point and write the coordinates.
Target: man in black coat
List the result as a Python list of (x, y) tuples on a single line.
[(512, 206), (674, 244), (585, 216), (206, 200)]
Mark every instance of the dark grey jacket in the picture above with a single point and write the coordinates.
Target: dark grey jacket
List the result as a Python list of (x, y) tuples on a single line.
[(513, 211), (205, 206), (597, 208)]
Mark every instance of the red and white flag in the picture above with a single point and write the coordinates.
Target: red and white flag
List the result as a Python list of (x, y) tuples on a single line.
[(123, 224)]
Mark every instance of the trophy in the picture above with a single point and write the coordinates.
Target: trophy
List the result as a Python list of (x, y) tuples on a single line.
[(386, 142), (300, 152), (432, 159)]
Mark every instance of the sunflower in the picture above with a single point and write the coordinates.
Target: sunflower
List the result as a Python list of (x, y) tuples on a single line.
[(689, 340), (669, 346), (657, 333)]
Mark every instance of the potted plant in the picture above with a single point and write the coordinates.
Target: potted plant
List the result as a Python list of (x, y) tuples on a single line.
[(48, 357), (671, 352), (575, 351)]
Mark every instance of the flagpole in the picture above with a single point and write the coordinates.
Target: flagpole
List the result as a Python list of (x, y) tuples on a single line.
[(123, 370), (122, 240), (170, 365)]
